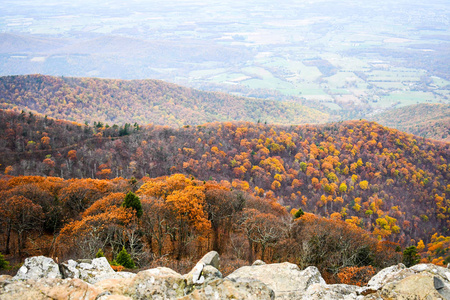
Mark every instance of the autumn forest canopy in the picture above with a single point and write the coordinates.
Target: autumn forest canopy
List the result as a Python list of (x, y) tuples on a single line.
[(118, 102), (348, 197)]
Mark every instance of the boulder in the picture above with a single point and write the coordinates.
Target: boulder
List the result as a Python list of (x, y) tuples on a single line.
[(422, 281), (332, 291), (38, 267), (258, 263), (388, 274), (91, 271), (231, 289), (211, 259), (204, 271), (417, 286), (54, 288), (201, 274), (285, 279), (157, 283), (441, 272)]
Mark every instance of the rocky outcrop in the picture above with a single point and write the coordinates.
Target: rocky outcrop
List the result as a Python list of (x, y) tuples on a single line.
[(38, 267), (41, 278), (91, 271), (49, 288), (285, 279), (422, 281), (232, 289)]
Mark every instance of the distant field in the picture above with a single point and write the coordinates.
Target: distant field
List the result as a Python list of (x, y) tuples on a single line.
[(376, 55)]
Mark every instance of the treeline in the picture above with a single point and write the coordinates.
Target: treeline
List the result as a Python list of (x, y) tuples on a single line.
[(391, 183), (142, 101), (178, 218)]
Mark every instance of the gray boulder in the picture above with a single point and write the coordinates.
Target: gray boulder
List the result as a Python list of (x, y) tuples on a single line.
[(388, 274), (231, 289), (204, 271), (333, 291), (91, 271), (416, 286), (422, 281), (157, 283), (211, 259), (285, 279), (441, 272), (38, 267), (258, 263)]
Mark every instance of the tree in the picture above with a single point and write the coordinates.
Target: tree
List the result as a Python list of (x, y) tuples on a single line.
[(298, 213), (410, 256), (133, 201), (20, 215), (4, 264), (124, 259), (221, 206), (99, 253), (264, 229)]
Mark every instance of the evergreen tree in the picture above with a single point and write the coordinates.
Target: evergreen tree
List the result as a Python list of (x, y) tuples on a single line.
[(124, 259), (4, 264), (133, 201), (299, 213), (99, 253), (410, 256)]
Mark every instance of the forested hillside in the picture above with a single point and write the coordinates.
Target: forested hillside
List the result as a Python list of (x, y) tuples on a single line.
[(389, 182), (172, 220), (427, 120), (142, 101)]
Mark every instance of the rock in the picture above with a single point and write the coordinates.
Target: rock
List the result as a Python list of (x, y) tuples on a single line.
[(285, 279), (113, 297), (417, 286), (210, 273), (5, 278), (211, 259), (91, 271), (258, 263), (204, 271), (231, 289), (114, 286), (38, 267), (54, 288), (332, 291), (158, 283), (202, 274), (441, 287), (195, 275), (386, 275), (441, 272)]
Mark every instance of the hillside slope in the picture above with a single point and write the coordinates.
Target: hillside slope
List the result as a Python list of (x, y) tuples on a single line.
[(392, 183), (143, 102), (426, 120)]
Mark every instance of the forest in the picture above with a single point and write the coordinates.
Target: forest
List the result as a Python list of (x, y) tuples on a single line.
[(143, 101), (348, 178), (427, 120)]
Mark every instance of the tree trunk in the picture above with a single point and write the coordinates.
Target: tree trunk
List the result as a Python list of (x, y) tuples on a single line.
[(8, 239), (250, 251), (216, 239), (263, 250)]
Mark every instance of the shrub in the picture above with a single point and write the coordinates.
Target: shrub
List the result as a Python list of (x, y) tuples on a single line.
[(99, 253), (4, 264), (124, 259)]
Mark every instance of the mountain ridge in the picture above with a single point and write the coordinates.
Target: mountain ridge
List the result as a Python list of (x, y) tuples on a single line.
[(427, 120), (142, 101)]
